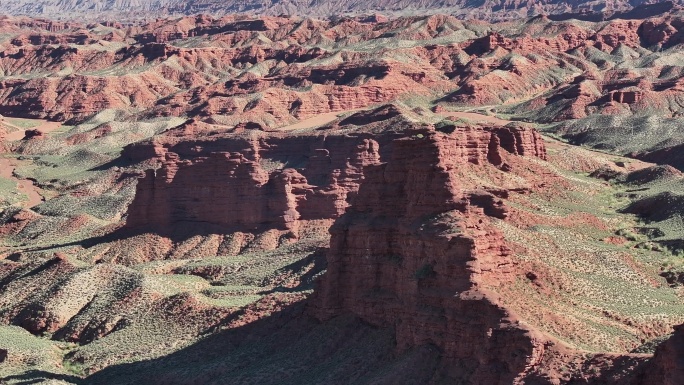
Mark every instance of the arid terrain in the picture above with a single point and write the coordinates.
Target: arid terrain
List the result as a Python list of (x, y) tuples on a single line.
[(99, 10), (431, 199)]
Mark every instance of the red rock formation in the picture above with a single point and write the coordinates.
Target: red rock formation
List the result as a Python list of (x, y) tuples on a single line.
[(663, 33), (33, 134), (329, 171), (412, 249), (417, 252), (667, 365), (629, 97), (81, 38), (214, 82), (233, 193), (232, 189), (618, 32)]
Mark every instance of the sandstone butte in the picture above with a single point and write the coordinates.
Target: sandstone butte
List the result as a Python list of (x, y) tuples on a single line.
[(377, 245)]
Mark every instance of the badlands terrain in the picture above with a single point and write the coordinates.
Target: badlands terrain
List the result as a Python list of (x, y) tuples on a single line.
[(355, 200), (98, 10)]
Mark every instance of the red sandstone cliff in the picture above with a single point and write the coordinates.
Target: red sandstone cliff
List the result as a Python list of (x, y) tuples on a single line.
[(417, 251), (230, 192), (233, 191), (409, 254)]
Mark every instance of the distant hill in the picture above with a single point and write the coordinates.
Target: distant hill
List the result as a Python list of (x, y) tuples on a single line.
[(482, 9)]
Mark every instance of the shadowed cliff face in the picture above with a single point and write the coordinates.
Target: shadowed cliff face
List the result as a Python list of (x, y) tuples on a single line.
[(408, 254), (667, 365), (418, 252), (226, 192)]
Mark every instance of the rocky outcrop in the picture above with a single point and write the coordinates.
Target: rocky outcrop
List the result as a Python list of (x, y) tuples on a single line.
[(79, 38), (229, 192), (414, 249), (628, 97), (33, 134), (661, 33), (667, 365), (418, 252), (198, 183), (232, 188)]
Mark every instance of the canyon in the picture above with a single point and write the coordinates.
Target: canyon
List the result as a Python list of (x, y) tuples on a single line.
[(233, 199)]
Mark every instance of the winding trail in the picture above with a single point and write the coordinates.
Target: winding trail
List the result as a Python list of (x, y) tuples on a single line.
[(8, 165), (26, 186)]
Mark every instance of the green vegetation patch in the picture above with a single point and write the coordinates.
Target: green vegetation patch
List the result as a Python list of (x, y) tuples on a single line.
[(26, 352)]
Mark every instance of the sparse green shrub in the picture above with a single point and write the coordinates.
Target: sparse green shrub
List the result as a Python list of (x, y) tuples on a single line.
[(629, 235), (74, 368)]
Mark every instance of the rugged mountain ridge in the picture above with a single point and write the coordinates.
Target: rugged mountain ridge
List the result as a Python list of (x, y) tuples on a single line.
[(480, 9)]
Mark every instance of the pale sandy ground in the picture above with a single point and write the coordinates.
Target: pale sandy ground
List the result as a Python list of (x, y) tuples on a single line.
[(26, 186), (316, 121), (43, 127), (7, 166), (322, 119), (474, 117)]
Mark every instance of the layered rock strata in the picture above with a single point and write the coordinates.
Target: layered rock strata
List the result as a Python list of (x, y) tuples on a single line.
[(417, 251), (413, 249), (239, 191), (264, 69)]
